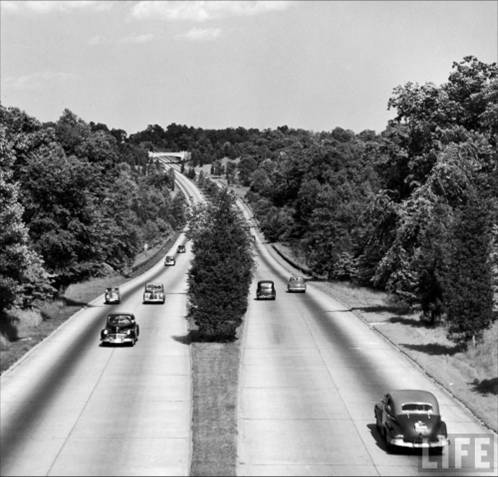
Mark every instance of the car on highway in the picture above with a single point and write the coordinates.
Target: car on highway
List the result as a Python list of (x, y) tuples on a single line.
[(169, 260), (410, 418), (181, 249), (154, 293), (265, 290), (120, 328), (296, 284), (112, 296)]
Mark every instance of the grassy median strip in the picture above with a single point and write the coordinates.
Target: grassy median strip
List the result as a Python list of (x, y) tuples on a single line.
[(214, 421)]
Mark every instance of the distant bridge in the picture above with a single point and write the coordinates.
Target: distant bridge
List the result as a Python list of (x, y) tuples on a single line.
[(170, 157)]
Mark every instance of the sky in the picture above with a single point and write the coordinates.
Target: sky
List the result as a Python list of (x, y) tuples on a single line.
[(263, 64)]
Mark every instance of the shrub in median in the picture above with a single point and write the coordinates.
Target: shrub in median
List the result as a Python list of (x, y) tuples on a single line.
[(221, 270)]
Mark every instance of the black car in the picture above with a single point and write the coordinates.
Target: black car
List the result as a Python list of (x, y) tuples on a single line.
[(120, 328), (410, 418), (266, 290), (169, 260), (181, 249)]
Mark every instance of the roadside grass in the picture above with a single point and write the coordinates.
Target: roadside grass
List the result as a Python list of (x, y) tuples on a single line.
[(21, 330), (471, 375)]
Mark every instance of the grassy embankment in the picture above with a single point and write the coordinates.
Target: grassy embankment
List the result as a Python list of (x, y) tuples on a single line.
[(471, 375), (23, 329)]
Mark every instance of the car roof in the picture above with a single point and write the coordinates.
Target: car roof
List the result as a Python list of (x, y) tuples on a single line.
[(265, 281), (404, 396), (124, 315)]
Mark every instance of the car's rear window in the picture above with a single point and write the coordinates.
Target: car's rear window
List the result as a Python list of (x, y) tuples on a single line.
[(120, 321), (268, 286), (416, 407), (297, 279)]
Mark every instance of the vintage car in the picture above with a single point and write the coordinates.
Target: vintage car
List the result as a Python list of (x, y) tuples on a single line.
[(410, 418), (120, 328), (154, 293), (111, 295), (265, 290), (169, 260), (296, 284), (181, 249)]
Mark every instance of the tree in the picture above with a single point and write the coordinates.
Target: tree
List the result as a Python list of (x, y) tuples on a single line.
[(221, 270), (468, 292), (247, 165), (22, 276)]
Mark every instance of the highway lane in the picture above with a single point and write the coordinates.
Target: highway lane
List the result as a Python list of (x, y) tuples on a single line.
[(310, 375), (71, 407)]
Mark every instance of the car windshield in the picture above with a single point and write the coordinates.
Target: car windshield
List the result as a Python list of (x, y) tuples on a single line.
[(416, 407), (152, 288), (119, 321)]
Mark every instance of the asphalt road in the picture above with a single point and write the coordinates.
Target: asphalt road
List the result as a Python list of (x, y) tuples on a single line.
[(310, 375), (72, 407)]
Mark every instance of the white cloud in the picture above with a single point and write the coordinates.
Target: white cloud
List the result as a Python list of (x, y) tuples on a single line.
[(144, 38), (36, 81), (199, 34), (55, 6), (200, 11)]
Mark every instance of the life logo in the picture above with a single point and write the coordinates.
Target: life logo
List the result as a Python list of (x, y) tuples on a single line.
[(466, 453)]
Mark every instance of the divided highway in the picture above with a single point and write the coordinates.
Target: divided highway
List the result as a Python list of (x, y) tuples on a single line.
[(310, 375)]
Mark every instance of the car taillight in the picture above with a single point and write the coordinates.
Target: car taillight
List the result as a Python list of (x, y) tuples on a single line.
[(105, 332), (128, 332)]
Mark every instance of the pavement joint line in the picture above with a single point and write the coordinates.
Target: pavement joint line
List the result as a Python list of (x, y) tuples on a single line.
[(306, 319), (436, 381), (66, 439), (295, 419)]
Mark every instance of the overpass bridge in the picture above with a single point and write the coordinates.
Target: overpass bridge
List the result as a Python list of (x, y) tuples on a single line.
[(170, 157)]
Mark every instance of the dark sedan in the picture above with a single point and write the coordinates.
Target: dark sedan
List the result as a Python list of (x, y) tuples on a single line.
[(120, 328), (266, 290), (410, 418)]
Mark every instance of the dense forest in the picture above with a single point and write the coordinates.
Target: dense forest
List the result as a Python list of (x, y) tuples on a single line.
[(411, 210), (77, 200)]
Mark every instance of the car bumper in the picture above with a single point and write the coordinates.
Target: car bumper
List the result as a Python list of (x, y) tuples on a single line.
[(154, 300), (398, 442), (117, 340), (296, 290), (265, 297)]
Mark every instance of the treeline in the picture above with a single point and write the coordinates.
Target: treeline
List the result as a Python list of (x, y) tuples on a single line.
[(76, 200), (411, 210)]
